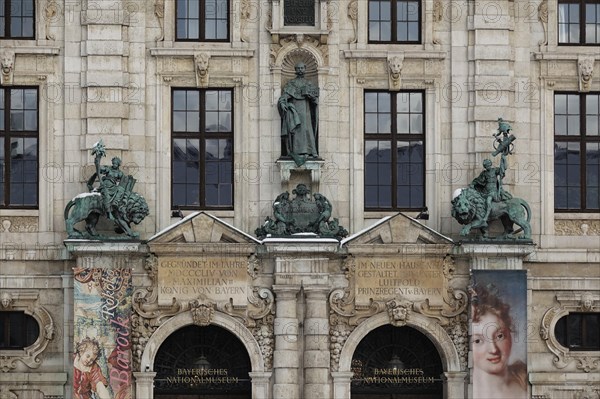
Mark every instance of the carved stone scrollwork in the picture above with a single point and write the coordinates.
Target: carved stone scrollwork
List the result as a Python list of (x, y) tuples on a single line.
[(293, 45), (264, 334), (543, 18), (589, 393), (147, 315), (201, 61), (459, 333), (159, 11), (586, 361), (19, 224), (253, 266), (31, 355), (51, 13), (245, 13), (353, 15), (577, 227), (395, 68), (5, 393), (586, 71), (202, 312), (438, 16)]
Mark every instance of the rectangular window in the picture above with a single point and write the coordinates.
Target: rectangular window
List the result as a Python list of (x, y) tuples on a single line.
[(18, 147), (579, 22), (202, 20), (202, 142), (576, 152), (17, 19), (394, 21), (394, 150)]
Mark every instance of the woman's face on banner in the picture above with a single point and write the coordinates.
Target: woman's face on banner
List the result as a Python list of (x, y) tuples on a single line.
[(492, 343)]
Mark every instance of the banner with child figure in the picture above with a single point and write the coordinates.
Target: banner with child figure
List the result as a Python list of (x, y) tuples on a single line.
[(102, 334)]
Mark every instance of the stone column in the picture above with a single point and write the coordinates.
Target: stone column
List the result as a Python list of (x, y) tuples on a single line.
[(285, 357), (316, 343), (454, 385), (260, 384), (144, 385), (341, 384)]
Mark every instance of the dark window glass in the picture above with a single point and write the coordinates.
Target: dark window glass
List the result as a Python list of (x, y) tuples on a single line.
[(202, 142), (394, 150), (17, 19), (578, 22), (19, 147), (202, 20), (394, 21), (17, 330), (579, 331), (576, 152)]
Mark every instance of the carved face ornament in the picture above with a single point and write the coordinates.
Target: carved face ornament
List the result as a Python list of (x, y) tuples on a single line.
[(586, 70), (5, 300), (7, 64)]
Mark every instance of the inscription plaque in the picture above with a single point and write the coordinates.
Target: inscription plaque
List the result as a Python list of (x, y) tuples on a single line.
[(217, 278), (299, 13), (414, 278)]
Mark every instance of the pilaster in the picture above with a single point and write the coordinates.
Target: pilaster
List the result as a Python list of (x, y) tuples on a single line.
[(286, 361)]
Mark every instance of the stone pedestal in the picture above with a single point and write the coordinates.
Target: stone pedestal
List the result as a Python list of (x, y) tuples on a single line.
[(292, 174), (455, 386), (144, 385), (494, 256), (260, 384), (341, 384)]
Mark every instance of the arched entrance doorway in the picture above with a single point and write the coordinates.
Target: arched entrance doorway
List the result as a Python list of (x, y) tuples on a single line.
[(396, 363), (202, 363)]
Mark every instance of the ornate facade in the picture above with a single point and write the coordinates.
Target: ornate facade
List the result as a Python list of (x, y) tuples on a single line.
[(114, 70)]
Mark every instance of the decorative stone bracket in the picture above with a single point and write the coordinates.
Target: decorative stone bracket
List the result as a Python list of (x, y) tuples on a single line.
[(578, 302), (7, 67), (585, 67), (395, 68), (27, 302), (201, 67)]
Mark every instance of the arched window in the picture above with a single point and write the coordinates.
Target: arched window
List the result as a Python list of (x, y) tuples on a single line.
[(17, 330), (579, 331)]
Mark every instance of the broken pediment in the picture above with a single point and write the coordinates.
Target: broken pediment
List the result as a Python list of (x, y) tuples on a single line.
[(397, 229), (200, 228)]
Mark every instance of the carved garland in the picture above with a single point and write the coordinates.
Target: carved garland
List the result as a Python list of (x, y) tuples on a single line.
[(258, 316), (27, 302), (345, 316), (582, 302)]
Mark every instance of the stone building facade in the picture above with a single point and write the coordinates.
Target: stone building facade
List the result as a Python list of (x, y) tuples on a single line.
[(112, 70)]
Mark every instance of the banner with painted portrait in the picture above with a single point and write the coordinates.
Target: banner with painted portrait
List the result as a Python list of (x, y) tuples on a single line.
[(498, 329), (102, 334)]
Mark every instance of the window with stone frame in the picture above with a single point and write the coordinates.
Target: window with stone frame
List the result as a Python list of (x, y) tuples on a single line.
[(579, 331), (577, 152), (19, 147), (202, 20), (17, 19), (394, 134), (579, 22), (17, 330), (202, 149), (394, 21)]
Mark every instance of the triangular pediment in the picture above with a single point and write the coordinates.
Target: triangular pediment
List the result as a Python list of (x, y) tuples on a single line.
[(202, 228), (397, 229)]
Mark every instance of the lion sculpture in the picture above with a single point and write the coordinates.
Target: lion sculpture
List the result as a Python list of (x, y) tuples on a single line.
[(89, 207), (468, 208)]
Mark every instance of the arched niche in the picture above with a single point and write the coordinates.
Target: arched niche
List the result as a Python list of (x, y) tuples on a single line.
[(295, 56), (259, 376), (430, 328)]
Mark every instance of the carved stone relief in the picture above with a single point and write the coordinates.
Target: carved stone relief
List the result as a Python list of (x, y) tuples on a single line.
[(577, 227), (586, 70), (297, 43), (159, 11), (353, 15), (201, 61), (27, 302), (438, 16), (257, 315), (245, 14), (543, 18), (346, 315), (19, 224), (578, 302), (51, 13), (7, 67), (395, 63)]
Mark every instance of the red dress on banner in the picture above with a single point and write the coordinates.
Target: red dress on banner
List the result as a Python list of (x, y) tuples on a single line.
[(85, 382)]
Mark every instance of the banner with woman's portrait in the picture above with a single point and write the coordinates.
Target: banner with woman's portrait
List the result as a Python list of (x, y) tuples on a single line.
[(498, 330), (102, 334)]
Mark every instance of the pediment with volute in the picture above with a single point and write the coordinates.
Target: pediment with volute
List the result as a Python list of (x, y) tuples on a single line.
[(403, 268), (207, 267)]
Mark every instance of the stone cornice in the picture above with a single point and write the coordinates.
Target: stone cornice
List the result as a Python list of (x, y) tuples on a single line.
[(189, 52), (413, 54)]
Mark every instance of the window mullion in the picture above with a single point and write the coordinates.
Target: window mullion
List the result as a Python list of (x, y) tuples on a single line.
[(202, 150), (202, 20), (393, 17), (582, 149), (8, 136), (394, 149), (582, 21)]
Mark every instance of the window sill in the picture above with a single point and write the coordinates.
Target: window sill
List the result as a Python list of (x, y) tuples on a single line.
[(19, 212), (577, 216)]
